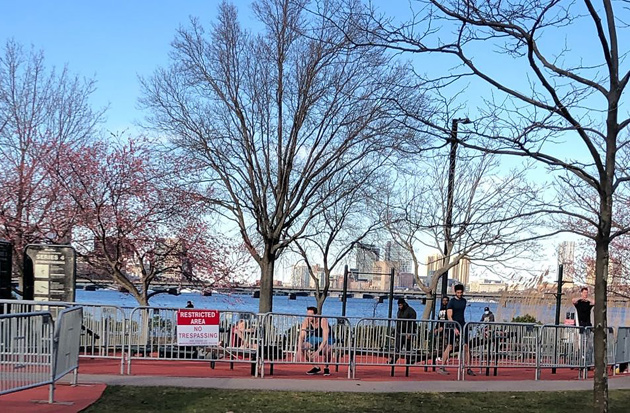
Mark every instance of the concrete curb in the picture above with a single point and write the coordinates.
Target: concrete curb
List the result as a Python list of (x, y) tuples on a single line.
[(351, 385)]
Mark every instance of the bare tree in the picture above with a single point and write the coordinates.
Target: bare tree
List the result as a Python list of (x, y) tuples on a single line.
[(495, 216), (41, 111), (332, 234), (273, 116), (558, 102)]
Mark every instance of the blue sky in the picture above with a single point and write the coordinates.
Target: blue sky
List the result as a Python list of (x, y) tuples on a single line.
[(112, 41), (117, 41)]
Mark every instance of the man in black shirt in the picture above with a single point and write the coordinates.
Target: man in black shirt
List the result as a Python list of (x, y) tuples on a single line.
[(455, 311), (583, 305), (404, 329)]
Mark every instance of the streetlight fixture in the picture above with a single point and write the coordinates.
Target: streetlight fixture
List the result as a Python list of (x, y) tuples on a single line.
[(449, 196)]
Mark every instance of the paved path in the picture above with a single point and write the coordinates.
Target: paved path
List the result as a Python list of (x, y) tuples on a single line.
[(74, 399), (353, 385)]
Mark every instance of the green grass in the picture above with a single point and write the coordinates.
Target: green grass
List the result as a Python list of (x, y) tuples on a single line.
[(169, 399)]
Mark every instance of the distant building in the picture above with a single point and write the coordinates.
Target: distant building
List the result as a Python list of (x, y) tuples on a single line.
[(405, 280), (566, 257), (460, 272), (398, 255), (383, 269), (169, 257), (320, 277), (300, 277), (365, 257), (487, 286)]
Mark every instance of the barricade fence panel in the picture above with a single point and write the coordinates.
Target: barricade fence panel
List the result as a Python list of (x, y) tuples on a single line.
[(589, 347), (301, 339), (501, 345), (153, 335), (622, 345), (9, 306), (103, 331), (562, 346), (393, 342), (26, 350), (67, 339), (268, 339)]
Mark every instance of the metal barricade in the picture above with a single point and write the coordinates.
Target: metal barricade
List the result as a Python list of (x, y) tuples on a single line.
[(153, 335), (589, 348), (393, 342), (26, 350), (66, 342), (622, 345), (296, 339), (561, 347), (501, 345), (103, 332), (10, 306)]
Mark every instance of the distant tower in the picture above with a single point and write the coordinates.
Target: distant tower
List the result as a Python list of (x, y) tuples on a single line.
[(300, 277), (434, 262), (566, 257), (460, 272), (366, 256), (398, 255)]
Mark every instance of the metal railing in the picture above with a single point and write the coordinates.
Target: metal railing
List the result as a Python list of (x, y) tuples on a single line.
[(397, 343), (103, 332), (298, 339), (501, 345), (589, 348), (34, 351), (103, 329), (622, 345), (9, 306), (562, 346), (26, 350), (152, 335), (265, 340), (66, 343)]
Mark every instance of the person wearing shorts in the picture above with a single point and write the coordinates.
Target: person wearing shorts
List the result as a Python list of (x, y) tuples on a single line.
[(456, 312), (315, 340)]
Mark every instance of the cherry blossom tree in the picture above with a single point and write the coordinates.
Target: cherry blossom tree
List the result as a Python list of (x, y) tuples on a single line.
[(43, 111), (138, 222)]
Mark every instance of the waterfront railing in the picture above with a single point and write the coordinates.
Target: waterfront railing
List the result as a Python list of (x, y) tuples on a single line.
[(357, 345)]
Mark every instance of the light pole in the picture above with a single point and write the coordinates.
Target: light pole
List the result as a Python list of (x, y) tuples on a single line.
[(449, 197)]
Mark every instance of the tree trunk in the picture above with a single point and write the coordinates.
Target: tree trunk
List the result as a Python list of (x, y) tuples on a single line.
[(320, 302), (265, 305), (601, 325), (426, 313)]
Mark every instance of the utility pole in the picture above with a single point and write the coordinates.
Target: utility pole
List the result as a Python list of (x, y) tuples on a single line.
[(558, 295), (449, 199), (344, 293)]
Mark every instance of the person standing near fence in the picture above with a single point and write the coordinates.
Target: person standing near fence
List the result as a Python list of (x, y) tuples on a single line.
[(442, 330), (455, 311), (487, 316), (404, 329), (583, 306)]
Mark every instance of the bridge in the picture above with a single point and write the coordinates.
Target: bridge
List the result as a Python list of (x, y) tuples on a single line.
[(286, 291)]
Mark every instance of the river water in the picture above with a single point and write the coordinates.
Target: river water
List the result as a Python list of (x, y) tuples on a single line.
[(355, 307)]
